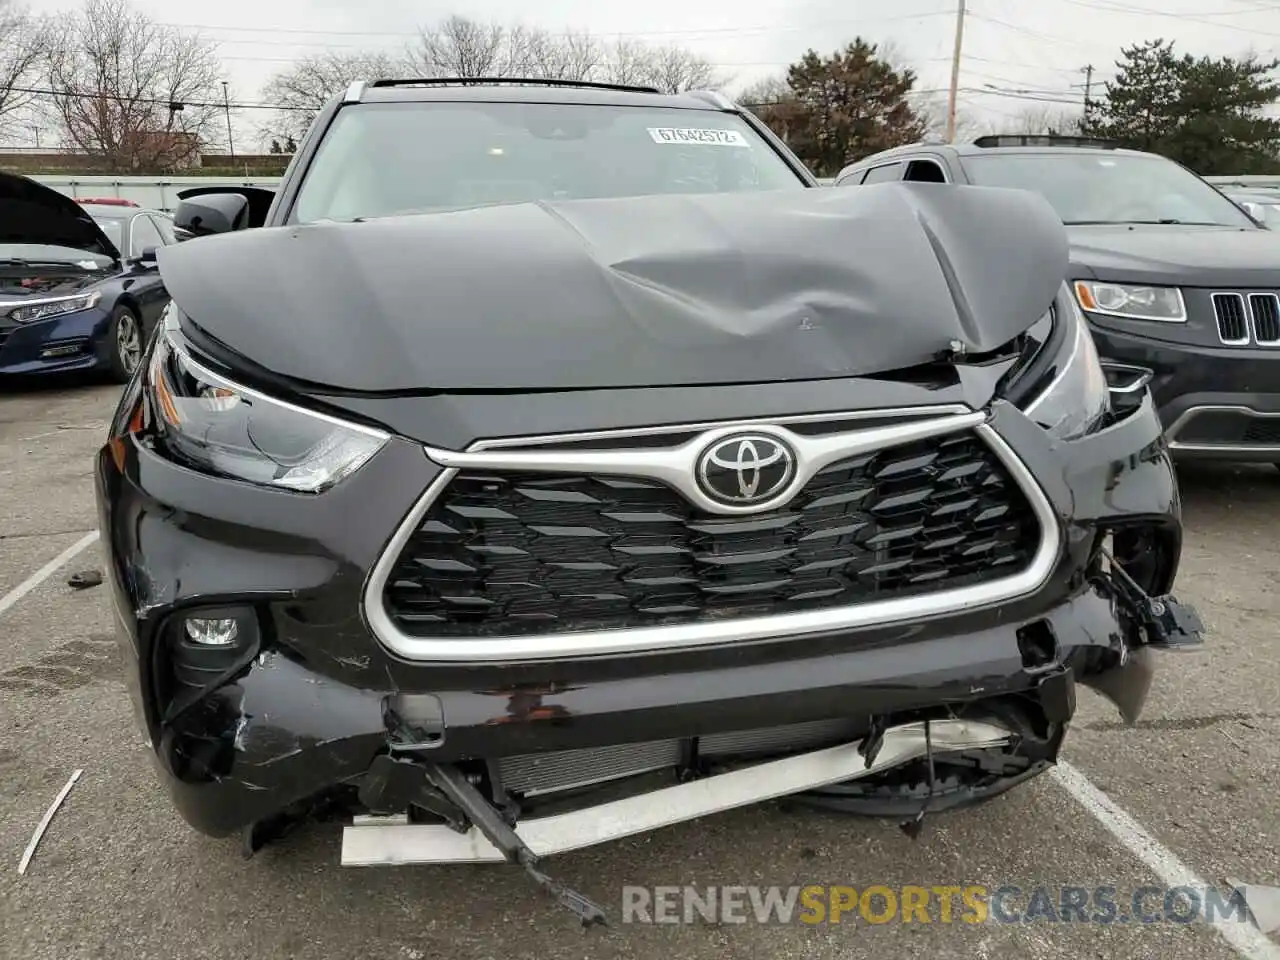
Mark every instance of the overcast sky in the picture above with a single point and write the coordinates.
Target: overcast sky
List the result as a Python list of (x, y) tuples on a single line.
[(1033, 50)]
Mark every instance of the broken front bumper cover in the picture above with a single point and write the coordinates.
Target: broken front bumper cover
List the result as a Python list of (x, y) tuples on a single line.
[(371, 841), (312, 708)]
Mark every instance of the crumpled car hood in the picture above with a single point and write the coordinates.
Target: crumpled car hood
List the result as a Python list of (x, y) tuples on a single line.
[(669, 290)]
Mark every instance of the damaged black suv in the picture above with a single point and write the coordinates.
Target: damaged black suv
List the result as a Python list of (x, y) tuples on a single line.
[(551, 463)]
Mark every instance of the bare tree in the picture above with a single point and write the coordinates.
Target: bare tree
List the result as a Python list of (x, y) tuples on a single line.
[(465, 48), (24, 44), (932, 109), (571, 56), (766, 92), (138, 94), (674, 69), (302, 89), (1045, 118), (671, 69), (461, 47)]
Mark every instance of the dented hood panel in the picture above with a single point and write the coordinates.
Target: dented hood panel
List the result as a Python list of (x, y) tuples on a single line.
[(672, 290)]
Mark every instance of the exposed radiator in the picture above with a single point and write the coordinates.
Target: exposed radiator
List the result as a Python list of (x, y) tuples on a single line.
[(542, 773)]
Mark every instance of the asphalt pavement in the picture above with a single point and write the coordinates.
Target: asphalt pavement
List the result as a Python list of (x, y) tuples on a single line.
[(1187, 797)]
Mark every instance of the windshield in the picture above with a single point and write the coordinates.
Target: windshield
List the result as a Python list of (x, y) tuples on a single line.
[(1089, 187), (384, 159), (113, 230)]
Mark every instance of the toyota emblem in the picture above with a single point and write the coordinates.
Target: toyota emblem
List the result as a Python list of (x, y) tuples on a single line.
[(745, 469)]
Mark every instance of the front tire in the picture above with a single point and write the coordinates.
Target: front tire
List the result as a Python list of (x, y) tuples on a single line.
[(124, 344)]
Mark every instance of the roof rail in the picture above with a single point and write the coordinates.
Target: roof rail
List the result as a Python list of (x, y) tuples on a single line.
[(1043, 140), (713, 97), (510, 81)]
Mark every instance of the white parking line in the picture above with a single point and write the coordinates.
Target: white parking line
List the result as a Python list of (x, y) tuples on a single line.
[(45, 572), (1246, 939)]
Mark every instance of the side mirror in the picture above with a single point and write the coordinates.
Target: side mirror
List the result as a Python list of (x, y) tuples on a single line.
[(212, 213), (1256, 210), (202, 211), (146, 259)]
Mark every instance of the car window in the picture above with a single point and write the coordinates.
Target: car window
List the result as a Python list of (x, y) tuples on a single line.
[(851, 179), (143, 234), (885, 173), (165, 227), (925, 171), (387, 158), (1102, 187), (114, 229)]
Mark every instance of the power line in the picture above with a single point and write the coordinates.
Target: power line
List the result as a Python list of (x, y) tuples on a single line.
[(75, 94), (157, 101), (1033, 33), (1138, 11), (763, 28)]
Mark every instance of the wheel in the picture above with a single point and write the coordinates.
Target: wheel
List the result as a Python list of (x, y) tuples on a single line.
[(124, 344), (961, 780)]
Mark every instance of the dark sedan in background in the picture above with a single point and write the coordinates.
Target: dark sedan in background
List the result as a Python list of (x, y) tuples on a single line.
[(1174, 278), (79, 286)]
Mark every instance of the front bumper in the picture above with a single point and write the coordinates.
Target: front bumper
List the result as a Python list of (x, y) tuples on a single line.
[(309, 710), (71, 342), (1216, 402)]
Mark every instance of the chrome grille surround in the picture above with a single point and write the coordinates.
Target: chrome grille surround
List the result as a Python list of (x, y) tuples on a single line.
[(634, 456), (1247, 317)]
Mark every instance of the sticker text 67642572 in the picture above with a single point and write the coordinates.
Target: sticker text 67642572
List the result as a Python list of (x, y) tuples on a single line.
[(710, 138)]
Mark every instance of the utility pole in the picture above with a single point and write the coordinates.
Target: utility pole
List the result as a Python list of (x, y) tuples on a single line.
[(1088, 90), (955, 73), (226, 100)]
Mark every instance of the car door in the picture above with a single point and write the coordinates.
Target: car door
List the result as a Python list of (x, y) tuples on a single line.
[(148, 287)]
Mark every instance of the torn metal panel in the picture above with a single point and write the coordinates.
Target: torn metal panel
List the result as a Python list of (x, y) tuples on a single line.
[(385, 843)]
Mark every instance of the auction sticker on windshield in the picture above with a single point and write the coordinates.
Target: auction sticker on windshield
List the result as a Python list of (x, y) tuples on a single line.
[(714, 138)]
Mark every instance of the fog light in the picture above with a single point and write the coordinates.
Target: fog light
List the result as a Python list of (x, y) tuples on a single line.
[(65, 349), (206, 643), (212, 633)]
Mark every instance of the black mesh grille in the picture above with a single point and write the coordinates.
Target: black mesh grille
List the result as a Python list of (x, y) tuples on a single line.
[(1263, 430), (526, 553), (1233, 324)]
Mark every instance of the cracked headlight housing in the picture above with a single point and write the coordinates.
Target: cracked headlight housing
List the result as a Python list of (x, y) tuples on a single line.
[(1131, 301), (45, 309), (213, 425), (1078, 398)]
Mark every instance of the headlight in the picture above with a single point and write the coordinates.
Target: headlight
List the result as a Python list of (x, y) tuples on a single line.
[(1163, 304), (219, 427), (54, 308), (1078, 398)]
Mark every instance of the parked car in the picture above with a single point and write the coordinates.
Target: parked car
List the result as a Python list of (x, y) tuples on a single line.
[(550, 463), (1262, 205), (79, 287), (1172, 276)]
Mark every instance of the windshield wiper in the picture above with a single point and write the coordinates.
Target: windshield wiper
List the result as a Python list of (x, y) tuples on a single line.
[(62, 264), (1166, 221)]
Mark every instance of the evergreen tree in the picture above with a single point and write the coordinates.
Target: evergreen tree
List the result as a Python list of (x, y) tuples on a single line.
[(1205, 113), (840, 108)]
